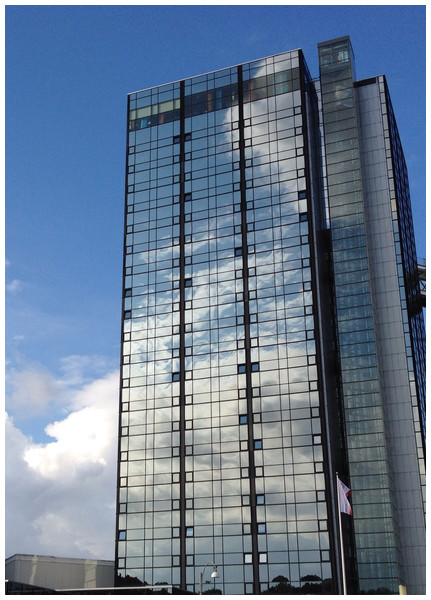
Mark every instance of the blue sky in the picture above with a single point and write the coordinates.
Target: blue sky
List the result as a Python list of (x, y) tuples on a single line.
[(68, 72)]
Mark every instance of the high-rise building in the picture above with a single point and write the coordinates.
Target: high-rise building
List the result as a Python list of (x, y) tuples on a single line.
[(272, 335)]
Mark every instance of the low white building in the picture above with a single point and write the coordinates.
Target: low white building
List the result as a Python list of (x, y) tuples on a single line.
[(60, 573)]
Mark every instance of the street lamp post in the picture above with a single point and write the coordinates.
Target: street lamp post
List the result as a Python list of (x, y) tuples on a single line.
[(201, 574)]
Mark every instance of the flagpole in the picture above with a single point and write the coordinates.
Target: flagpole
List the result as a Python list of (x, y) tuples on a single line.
[(343, 566)]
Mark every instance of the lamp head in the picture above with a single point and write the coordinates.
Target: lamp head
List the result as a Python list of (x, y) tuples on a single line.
[(214, 573)]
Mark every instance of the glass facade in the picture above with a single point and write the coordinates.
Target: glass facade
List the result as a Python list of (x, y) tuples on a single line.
[(362, 402), (231, 428), (407, 270)]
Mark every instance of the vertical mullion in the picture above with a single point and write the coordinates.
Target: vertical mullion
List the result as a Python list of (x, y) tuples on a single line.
[(183, 565), (253, 517)]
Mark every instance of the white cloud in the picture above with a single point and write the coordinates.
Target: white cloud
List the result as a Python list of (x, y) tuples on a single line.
[(31, 391), (14, 286), (79, 369), (18, 338), (60, 496), (83, 437)]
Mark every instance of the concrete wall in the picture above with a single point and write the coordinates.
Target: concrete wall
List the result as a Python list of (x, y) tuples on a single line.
[(59, 573)]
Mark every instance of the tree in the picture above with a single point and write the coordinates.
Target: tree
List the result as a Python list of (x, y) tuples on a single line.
[(282, 586)]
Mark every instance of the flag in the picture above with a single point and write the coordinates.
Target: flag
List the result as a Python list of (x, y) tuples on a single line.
[(343, 492)]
